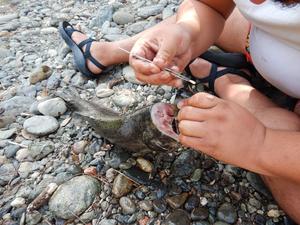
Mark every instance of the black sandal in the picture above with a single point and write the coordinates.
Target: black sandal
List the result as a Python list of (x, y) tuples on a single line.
[(233, 61), (80, 58)]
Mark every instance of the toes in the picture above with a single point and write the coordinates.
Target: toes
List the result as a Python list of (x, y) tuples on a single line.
[(200, 68)]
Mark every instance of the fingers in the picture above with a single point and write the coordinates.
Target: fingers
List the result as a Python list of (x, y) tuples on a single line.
[(165, 53), (200, 100), (193, 114), (191, 128)]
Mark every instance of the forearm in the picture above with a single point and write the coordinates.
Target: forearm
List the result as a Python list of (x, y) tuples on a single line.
[(203, 23), (279, 156)]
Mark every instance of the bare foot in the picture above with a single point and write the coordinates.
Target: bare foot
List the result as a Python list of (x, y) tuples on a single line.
[(98, 50), (200, 68), (297, 108)]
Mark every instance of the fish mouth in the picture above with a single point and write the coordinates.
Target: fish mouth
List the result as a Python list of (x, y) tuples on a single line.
[(163, 116)]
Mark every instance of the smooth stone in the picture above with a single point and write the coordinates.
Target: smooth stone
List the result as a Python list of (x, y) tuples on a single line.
[(41, 125), (33, 218), (104, 92), (8, 17), (177, 201), (79, 147), (18, 202), (124, 99), (39, 74), (108, 222), (40, 150), (273, 213), (159, 205), (197, 174), (7, 173), (11, 150), (200, 213), (121, 186), (123, 17), (192, 202), (128, 206), (227, 213), (6, 134), (144, 165), (74, 197), (184, 165), (177, 217), (146, 205), (129, 75), (136, 28), (16, 105), (152, 10), (26, 168), (52, 107), (88, 216)]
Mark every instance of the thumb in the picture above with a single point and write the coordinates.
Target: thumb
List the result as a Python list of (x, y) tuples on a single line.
[(166, 53), (200, 100)]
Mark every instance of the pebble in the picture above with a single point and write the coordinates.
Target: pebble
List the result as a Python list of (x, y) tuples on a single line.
[(41, 125), (26, 168), (196, 176), (124, 99), (79, 147), (108, 222), (74, 197), (177, 217), (33, 218), (147, 11), (40, 74), (129, 75), (40, 150), (128, 206), (16, 105), (146, 205), (53, 107), (144, 165), (6, 134), (18, 202), (177, 201), (7, 173), (227, 213), (273, 213), (192, 202), (123, 17), (200, 213), (121, 186), (6, 120), (159, 206), (184, 165), (104, 92)]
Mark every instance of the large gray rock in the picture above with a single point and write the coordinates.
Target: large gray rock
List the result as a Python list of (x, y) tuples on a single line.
[(17, 105), (41, 125), (123, 17), (74, 197), (152, 10), (52, 107)]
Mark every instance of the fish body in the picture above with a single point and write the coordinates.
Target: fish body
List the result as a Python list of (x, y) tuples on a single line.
[(146, 128)]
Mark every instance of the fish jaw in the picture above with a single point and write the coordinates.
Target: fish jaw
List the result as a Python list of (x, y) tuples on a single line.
[(163, 116)]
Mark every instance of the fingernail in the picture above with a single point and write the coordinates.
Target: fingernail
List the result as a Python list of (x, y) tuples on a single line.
[(165, 75), (180, 104), (159, 61), (154, 70)]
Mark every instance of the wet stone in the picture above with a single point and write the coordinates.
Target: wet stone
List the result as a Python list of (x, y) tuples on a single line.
[(159, 206), (121, 186), (146, 205), (177, 217), (144, 165), (200, 213), (227, 213), (184, 165), (177, 201), (127, 205), (192, 202)]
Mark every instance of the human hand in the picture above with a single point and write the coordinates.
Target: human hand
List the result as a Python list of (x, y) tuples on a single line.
[(169, 47), (221, 129)]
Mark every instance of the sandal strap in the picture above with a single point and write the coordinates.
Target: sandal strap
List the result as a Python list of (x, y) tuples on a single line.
[(84, 42), (71, 30), (87, 55)]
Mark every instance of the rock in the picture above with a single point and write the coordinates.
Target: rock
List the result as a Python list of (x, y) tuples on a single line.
[(74, 197), (88, 216), (41, 125), (159, 206), (6, 134), (6, 120), (108, 222), (33, 218), (123, 17), (8, 17), (52, 107), (177, 201), (16, 105), (41, 73), (177, 217), (124, 99), (220, 223), (199, 214), (4, 52), (152, 10), (90, 171), (121, 186), (104, 92), (273, 213), (79, 146), (184, 165), (127, 205), (129, 75), (10, 151), (196, 176), (146, 205), (227, 213), (26, 168), (18, 202), (167, 12), (39, 150), (135, 28), (7, 173), (115, 37), (258, 184), (105, 13), (144, 165), (192, 202), (54, 81)]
